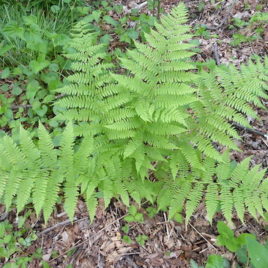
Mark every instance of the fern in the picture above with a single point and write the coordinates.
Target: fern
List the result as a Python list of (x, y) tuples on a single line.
[(83, 94), (39, 169), (149, 133), (225, 187)]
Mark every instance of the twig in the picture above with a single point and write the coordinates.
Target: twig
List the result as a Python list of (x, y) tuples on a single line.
[(100, 260), (61, 214), (265, 141), (131, 253), (140, 6), (163, 222), (59, 224), (15, 107), (216, 53), (202, 251), (168, 233), (134, 5), (250, 130), (202, 236), (158, 9), (63, 223)]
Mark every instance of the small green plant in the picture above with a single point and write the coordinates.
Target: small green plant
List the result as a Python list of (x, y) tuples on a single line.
[(7, 240), (249, 30), (133, 215), (202, 30), (259, 17), (152, 211), (71, 7), (241, 38), (141, 239), (125, 228), (245, 246), (249, 252), (239, 23), (13, 242), (213, 261), (30, 56), (114, 30), (127, 239), (216, 261)]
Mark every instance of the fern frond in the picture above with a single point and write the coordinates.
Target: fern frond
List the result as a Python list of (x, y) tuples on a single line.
[(212, 200), (32, 171), (15, 161), (92, 204), (193, 201)]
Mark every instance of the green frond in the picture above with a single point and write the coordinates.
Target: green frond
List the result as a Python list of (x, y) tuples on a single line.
[(226, 201), (52, 191), (92, 204), (45, 146), (122, 190), (15, 162), (68, 170), (177, 196), (239, 203), (212, 200), (191, 156), (132, 187), (193, 200), (107, 189)]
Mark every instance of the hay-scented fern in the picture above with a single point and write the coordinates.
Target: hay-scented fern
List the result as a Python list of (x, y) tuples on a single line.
[(149, 133)]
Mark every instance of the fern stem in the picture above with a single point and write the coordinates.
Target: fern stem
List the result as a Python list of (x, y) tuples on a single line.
[(251, 130), (158, 9)]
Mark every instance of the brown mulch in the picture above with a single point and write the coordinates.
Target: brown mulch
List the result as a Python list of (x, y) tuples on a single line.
[(169, 244)]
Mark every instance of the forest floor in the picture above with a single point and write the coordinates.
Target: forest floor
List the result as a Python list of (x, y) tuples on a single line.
[(169, 244)]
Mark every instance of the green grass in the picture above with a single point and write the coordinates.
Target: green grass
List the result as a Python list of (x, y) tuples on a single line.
[(16, 20)]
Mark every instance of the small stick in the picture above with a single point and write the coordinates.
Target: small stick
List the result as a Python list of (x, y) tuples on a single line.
[(250, 130), (67, 222), (202, 236), (140, 6), (265, 141), (216, 53), (202, 251), (166, 223), (63, 223), (158, 9)]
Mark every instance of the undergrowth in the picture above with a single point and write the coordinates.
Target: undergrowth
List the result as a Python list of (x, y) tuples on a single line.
[(31, 45)]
